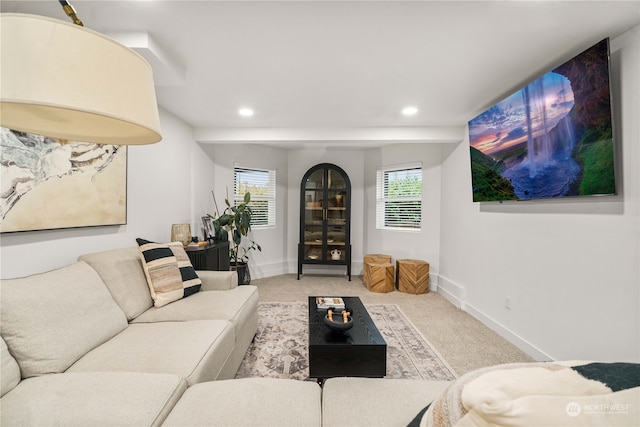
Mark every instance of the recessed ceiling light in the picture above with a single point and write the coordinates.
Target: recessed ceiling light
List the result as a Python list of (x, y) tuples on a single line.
[(245, 112), (409, 111)]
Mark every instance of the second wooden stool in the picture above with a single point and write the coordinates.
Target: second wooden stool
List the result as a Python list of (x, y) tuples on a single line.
[(413, 276)]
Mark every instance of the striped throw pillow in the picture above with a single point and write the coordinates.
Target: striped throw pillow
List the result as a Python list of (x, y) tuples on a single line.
[(169, 272)]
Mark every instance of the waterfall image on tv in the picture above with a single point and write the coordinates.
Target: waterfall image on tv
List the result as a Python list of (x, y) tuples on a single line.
[(551, 138)]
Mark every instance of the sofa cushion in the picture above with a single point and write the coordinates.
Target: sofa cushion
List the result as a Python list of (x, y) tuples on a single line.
[(218, 280), (169, 272), (195, 350), (236, 305), (10, 373), (264, 402), (92, 399), (121, 270), (52, 319), (376, 401)]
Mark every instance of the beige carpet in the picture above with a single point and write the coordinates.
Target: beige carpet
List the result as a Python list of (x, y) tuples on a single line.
[(464, 342), (280, 348)]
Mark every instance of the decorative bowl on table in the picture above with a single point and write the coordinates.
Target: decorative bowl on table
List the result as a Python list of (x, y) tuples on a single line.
[(338, 324)]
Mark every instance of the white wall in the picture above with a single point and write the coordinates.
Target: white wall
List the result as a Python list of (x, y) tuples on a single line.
[(270, 261), (423, 244), (202, 184), (571, 267), (158, 195), (280, 245)]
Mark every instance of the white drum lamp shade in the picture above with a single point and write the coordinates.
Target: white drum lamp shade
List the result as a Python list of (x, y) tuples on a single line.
[(66, 81)]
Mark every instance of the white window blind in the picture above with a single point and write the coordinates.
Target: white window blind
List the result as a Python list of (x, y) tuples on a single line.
[(399, 197), (261, 183)]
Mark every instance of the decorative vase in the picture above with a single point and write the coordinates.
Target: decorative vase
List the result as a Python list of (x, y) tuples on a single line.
[(181, 233), (244, 276)]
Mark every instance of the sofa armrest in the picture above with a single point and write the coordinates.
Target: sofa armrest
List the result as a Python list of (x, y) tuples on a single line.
[(218, 280)]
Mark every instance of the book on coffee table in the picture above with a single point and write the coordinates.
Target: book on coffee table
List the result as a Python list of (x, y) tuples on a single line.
[(330, 302)]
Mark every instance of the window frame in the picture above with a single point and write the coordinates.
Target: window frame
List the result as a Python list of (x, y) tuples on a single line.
[(383, 200), (270, 198)]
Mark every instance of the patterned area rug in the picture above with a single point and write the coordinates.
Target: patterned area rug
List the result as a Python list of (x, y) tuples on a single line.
[(280, 349)]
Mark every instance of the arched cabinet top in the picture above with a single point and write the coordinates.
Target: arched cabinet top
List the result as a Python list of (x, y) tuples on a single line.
[(321, 173)]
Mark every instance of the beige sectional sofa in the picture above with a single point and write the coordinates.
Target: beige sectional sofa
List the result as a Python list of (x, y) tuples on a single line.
[(84, 345)]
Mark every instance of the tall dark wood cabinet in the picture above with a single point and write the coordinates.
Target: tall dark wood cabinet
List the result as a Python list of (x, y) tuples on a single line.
[(325, 218)]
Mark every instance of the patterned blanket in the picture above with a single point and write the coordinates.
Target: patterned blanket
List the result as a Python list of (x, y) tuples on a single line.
[(540, 394)]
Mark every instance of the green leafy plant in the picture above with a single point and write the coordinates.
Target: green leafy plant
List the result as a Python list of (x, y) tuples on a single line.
[(235, 221)]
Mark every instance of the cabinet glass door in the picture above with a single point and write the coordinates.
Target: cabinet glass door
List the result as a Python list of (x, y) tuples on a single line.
[(314, 216), (336, 216)]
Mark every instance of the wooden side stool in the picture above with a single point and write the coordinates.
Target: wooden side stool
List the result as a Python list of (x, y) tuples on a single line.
[(372, 259), (381, 277), (413, 276)]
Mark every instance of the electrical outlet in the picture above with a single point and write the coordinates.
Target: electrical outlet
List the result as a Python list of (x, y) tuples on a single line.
[(507, 303)]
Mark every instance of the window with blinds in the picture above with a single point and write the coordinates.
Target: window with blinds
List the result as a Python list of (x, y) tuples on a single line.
[(399, 197), (261, 183)]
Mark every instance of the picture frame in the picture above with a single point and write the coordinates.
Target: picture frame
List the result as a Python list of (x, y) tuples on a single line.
[(50, 183), (207, 228)]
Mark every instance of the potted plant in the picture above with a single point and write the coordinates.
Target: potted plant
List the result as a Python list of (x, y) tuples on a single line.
[(235, 221)]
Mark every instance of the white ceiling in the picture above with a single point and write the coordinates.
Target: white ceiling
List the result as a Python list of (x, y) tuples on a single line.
[(338, 70)]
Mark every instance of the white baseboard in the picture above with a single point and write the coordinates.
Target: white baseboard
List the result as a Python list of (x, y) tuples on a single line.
[(453, 292), (291, 267), (457, 295), (507, 334), (268, 270)]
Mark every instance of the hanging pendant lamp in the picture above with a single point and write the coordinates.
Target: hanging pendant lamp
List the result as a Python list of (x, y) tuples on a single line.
[(66, 81)]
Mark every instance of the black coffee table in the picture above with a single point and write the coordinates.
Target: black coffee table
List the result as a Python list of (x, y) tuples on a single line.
[(359, 352)]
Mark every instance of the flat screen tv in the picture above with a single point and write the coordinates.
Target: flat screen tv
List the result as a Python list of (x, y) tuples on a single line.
[(551, 138)]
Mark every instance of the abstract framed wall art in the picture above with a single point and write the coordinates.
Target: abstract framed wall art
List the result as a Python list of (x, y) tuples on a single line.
[(48, 183), (552, 138)]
